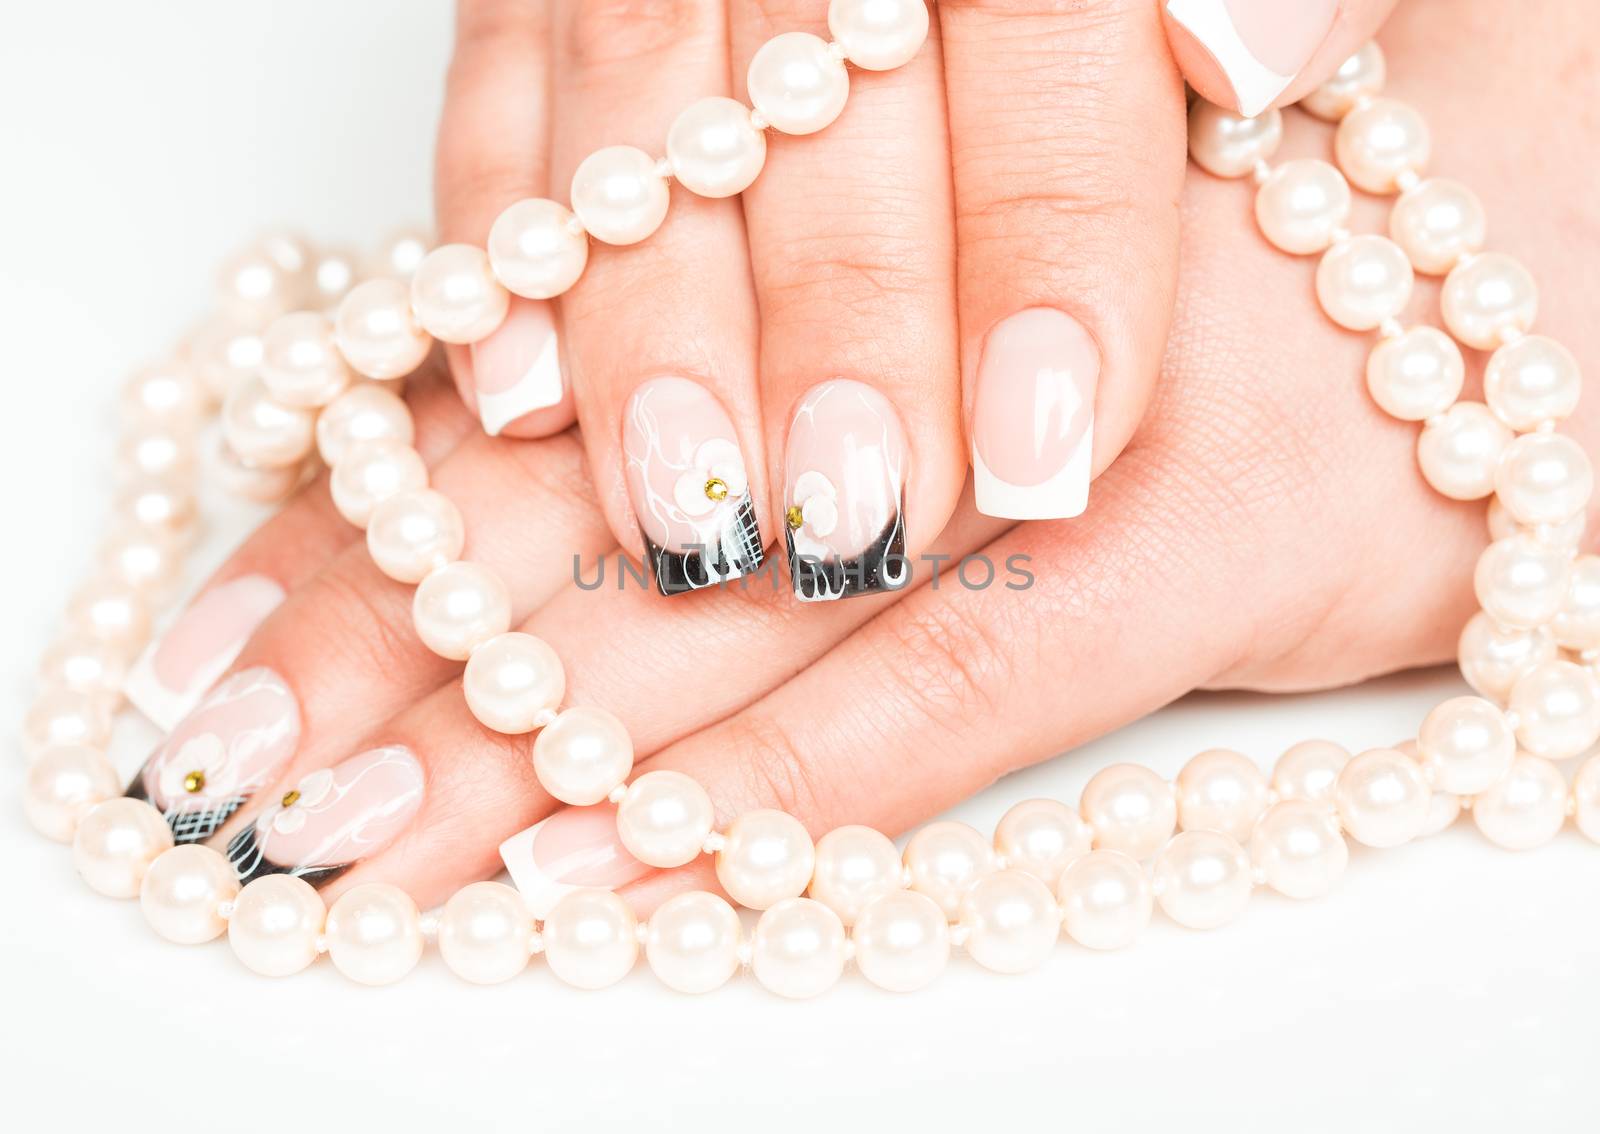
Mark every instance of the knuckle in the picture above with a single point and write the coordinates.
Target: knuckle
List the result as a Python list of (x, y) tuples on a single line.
[(949, 665), (495, 24), (774, 771), (609, 32), (363, 624), (821, 277)]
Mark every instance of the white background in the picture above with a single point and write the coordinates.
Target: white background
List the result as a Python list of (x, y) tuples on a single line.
[(1444, 982)]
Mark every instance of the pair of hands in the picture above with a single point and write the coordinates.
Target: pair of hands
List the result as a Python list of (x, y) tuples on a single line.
[(1261, 470)]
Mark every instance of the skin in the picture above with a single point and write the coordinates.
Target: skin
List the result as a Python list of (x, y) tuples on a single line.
[(1262, 469)]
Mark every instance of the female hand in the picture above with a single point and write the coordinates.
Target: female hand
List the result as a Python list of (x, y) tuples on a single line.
[(1264, 471)]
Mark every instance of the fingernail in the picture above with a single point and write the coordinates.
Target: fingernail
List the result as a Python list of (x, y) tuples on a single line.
[(517, 369), (844, 500), (1033, 417), (1260, 45), (576, 848), (686, 477), (332, 818), (174, 672), (233, 745)]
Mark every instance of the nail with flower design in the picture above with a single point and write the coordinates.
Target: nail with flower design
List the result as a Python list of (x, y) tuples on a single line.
[(844, 514), (690, 491), (332, 818), (235, 742)]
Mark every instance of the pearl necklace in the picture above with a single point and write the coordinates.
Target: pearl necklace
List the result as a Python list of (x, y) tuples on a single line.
[(293, 393)]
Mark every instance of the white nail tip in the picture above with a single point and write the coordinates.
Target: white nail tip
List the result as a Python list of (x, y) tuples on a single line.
[(1255, 85), (539, 388), (161, 705), (1063, 496)]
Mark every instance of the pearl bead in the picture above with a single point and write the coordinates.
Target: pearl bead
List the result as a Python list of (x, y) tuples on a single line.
[(1467, 743), (1310, 771), (161, 505), (1526, 808), (1042, 837), (798, 948), (1567, 534), (1298, 849), (902, 941), (370, 472), (415, 533), (275, 924), (147, 558), (1493, 657), (182, 891), (1487, 299), (1105, 900), (81, 664), (1383, 798), (366, 412), (1459, 451), (333, 274), (1577, 627), (582, 754), (458, 608), (252, 482), (377, 332), (1378, 143), (374, 934), (63, 784), (512, 681), (1520, 582), (455, 295), (60, 718), (537, 249), (265, 279), (692, 942), (1532, 380), (156, 453), (1011, 921), (110, 611), (1302, 205), (766, 857), (796, 83), (945, 858), (664, 819), (115, 843), (1586, 798), (1131, 809), (1443, 810), (226, 352), (715, 149), (1202, 879), (1557, 704), (854, 867), (300, 363), (878, 35), (1227, 145), (399, 254), (263, 432), (1437, 223), (484, 932), (1544, 478), (1359, 77), (619, 195), (591, 939), (1362, 281), (1416, 375), (169, 397), (1221, 790)]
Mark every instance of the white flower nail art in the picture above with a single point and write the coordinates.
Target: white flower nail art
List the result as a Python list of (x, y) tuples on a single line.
[(288, 815), (816, 505), (198, 769), (717, 476)]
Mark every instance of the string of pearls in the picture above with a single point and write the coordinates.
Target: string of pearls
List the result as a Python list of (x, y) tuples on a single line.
[(1196, 847)]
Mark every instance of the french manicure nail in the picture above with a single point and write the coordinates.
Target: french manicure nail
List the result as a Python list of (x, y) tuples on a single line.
[(844, 500), (332, 818), (174, 672), (576, 848), (234, 744), (1260, 45), (686, 477), (517, 369), (1033, 417)]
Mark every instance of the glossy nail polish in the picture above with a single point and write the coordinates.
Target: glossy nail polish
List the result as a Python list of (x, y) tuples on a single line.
[(574, 849), (517, 369), (1033, 416), (844, 498), (173, 674), (332, 818), (687, 480), (1260, 45), (235, 743)]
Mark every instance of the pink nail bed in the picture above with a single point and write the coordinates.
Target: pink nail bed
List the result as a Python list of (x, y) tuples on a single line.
[(574, 849), (517, 369), (173, 674), (1260, 45)]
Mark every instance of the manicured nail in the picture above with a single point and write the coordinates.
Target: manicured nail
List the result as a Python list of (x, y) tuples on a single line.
[(576, 848), (332, 818), (1033, 417), (844, 501), (233, 745), (1260, 45), (517, 369), (686, 477), (173, 674)]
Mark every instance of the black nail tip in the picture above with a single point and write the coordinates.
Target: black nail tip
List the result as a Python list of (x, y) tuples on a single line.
[(738, 551), (249, 863), (881, 567)]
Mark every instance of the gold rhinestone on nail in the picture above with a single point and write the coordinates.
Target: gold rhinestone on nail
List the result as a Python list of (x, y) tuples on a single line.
[(716, 489), (194, 781), (290, 798), (794, 517)]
